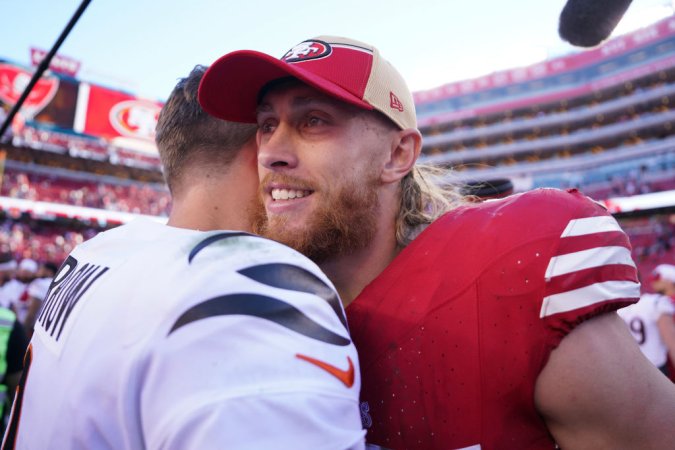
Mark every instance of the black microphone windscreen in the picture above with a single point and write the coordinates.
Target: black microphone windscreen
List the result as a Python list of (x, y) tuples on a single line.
[(586, 23)]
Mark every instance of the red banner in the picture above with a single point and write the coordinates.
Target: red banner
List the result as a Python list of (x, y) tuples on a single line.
[(112, 114)]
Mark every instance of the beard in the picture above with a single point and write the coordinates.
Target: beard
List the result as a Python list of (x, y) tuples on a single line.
[(343, 223)]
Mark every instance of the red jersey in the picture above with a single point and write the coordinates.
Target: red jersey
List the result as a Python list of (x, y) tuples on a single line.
[(453, 334)]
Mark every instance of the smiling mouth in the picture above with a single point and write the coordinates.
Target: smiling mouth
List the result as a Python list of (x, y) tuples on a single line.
[(288, 194)]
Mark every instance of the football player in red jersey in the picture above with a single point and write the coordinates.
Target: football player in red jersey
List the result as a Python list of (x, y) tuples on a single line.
[(482, 326)]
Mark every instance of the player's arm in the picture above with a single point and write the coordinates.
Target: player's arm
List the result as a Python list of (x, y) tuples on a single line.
[(597, 391)]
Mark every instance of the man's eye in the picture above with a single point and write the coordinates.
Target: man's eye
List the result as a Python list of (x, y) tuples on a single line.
[(314, 121), (267, 126)]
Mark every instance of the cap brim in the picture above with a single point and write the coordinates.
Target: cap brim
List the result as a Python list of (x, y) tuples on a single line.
[(654, 276), (230, 87)]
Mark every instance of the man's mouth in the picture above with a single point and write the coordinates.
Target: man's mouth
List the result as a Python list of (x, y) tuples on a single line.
[(288, 194)]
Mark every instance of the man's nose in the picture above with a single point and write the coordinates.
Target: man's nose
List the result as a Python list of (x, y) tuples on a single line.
[(277, 152)]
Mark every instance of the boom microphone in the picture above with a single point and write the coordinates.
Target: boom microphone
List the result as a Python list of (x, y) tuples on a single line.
[(586, 23)]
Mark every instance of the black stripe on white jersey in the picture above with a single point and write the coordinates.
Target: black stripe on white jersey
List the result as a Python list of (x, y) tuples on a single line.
[(294, 278), (264, 307), (211, 239)]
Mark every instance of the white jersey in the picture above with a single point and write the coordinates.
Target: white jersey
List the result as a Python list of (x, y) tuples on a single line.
[(11, 293), (14, 294), (38, 288), (641, 318), (164, 338)]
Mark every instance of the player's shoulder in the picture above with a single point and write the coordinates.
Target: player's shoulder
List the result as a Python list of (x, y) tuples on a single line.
[(129, 235), (236, 273), (524, 217), (239, 250), (197, 280), (544, 206)]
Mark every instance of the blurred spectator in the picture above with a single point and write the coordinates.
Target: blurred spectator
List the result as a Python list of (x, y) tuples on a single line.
[(651, 319), (37, 291), (652, 239), (14, 292), (664, 283), (13, 344), (7, 269)]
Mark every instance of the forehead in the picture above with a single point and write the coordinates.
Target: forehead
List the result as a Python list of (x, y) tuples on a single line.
[(297, 94)]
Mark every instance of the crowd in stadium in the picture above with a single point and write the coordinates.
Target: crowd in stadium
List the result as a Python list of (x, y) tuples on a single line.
[(135, 198), (41, 240)]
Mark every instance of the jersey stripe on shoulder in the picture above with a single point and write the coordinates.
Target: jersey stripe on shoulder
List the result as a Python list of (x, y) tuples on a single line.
[(214, 238), (585, 259), (605, 239), (592, 265), (294, 278), (590, 225), (582, 278), (261, 306), (589, 295)]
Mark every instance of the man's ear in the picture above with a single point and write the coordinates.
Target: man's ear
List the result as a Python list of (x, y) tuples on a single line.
[(405, 150)]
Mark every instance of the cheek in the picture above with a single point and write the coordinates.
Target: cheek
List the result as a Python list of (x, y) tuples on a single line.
[(360, 160), (250, 167)]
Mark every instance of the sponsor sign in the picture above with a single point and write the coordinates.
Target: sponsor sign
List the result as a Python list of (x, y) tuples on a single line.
[(59, 63)]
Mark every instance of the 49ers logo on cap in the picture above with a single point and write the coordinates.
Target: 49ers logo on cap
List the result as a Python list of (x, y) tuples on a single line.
[(307, 50)]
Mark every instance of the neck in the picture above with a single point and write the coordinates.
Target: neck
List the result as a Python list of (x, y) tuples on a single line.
[(351, 273), (202, 206)]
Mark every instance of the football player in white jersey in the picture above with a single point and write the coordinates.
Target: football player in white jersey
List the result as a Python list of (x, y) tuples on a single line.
[(165, 337), (663, 282), (645, 319)]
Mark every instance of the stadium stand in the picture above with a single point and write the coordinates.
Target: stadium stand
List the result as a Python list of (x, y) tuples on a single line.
[(580, 120), (599, 120)]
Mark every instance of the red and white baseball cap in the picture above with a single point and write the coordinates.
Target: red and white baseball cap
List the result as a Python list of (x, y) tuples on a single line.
[(348, 70), (664, 272)]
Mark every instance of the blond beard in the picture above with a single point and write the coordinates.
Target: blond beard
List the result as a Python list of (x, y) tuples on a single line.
[(343, 223)]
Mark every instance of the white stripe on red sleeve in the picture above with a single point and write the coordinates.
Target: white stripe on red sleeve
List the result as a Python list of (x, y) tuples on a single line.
[(586, 259), (590, 225), (588, 271), (589, 295)]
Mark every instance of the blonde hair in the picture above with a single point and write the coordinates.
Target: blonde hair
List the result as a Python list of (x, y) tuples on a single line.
[(425, 196)]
